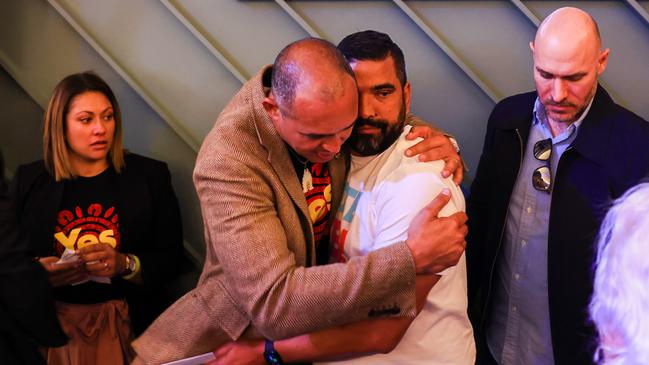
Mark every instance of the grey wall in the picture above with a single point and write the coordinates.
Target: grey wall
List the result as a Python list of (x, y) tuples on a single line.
[(20, 125), (174, 64)]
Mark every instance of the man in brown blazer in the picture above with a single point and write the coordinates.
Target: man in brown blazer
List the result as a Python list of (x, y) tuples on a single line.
[(259, 279)]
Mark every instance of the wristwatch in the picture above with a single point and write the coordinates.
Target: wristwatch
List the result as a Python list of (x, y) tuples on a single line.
[(130, 264), (454, 143), (270, 355)]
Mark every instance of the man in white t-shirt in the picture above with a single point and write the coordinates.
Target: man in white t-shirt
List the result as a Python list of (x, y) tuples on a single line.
[(384, 191)]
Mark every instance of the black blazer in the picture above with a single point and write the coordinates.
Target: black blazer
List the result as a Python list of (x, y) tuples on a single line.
[(27, 317), (150, 226), (609, 155)]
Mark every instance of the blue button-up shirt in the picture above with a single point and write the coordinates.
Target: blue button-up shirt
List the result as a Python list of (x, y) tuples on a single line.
[(518, 331)]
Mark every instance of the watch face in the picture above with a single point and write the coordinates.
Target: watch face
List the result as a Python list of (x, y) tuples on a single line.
[(272, 357), (454, 143), (131, 264)]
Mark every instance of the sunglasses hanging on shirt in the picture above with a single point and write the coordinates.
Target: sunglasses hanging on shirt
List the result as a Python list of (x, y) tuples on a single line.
[(542, 176)]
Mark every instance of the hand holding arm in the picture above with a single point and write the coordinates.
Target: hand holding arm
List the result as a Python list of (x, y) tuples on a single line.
[(260, 260), (436, 146), (437, 243), (241, 352), (367, 337)]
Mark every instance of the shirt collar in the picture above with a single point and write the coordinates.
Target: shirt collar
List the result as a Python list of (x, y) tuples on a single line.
[(541, 120)]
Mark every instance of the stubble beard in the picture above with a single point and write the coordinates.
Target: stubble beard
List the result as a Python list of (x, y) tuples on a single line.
[(569, 119)]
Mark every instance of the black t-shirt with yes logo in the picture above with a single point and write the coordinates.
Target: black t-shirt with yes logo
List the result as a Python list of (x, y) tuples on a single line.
[(88, 215)]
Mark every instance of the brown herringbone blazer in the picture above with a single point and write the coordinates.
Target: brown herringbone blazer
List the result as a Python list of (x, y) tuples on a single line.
[(258, 279)]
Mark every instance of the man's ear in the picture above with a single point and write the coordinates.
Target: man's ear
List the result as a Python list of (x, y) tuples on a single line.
[(602, 61), (271, 107), (406, 96)]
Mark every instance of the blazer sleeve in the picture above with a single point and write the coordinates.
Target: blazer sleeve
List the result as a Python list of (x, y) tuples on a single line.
[(159, 256), (280, 298), (25, 292), (16, 191)]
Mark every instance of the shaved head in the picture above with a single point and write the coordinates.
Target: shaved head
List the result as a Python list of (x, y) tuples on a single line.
[(313, 101), (569, 29), (568, 60), (312, 66)]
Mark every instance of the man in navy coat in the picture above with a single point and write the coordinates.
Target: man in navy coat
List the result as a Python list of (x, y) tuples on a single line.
[(552, 162)]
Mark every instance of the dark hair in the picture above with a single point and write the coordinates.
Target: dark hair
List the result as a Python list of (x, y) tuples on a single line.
[(375, 46), (55, 147), (287, 73)]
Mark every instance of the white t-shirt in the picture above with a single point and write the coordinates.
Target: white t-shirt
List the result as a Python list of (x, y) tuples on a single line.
[(382, 195)]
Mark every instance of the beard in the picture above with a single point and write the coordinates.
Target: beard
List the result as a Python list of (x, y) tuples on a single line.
[(373, 144), (569, 118)]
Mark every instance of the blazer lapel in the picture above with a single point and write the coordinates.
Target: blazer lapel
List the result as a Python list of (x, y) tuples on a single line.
[(128, 188), (49, 199), (278, 156), (592, 138)]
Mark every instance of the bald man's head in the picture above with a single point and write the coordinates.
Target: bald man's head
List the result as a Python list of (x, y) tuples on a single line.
[(572, 22), (567, 62), (314, 98), (309, 65)]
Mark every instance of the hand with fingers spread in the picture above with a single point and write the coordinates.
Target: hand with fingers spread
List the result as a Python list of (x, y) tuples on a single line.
[(437, 243), (436, 146), (241, 352), (65, 273), (102, 259)]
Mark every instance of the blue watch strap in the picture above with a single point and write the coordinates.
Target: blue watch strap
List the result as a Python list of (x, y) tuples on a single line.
[(270, 354)]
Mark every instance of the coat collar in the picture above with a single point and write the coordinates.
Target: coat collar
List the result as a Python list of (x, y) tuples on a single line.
[(591, 141), (593, 137), (278, 155)]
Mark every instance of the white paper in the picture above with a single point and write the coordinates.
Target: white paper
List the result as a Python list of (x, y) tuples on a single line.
[(195, 360), (71, 256)]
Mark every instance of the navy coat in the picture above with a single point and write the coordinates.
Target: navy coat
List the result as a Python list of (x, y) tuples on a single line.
[(609, 155)]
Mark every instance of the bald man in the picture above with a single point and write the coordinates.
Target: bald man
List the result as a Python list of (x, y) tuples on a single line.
[(267, 175), (552, 161)]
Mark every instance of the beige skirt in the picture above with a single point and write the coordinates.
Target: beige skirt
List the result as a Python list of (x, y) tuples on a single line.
[(98, 334)]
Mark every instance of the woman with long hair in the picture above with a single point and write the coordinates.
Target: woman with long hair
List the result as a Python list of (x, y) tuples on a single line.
[(104, 223)]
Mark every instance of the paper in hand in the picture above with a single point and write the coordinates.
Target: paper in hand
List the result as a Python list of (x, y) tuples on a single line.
[(71, 256)]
